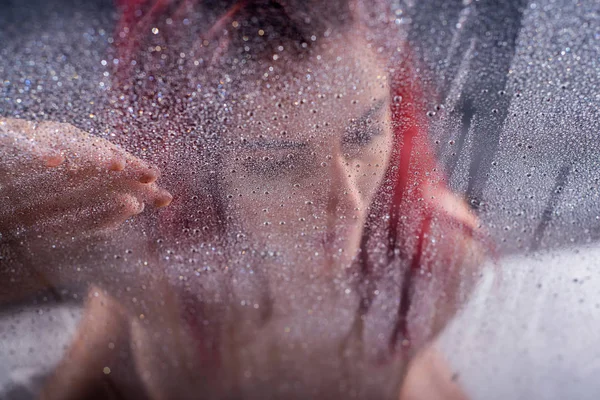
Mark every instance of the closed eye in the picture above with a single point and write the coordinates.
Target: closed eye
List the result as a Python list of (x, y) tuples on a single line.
[(362, 131), (279, 162)]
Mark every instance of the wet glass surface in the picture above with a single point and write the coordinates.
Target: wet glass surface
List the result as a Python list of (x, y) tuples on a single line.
[(294, 198)]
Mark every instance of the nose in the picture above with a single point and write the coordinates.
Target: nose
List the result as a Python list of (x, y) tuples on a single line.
[(346, 212)]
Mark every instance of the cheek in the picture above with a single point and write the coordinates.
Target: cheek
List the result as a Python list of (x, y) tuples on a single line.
[(284, 207)]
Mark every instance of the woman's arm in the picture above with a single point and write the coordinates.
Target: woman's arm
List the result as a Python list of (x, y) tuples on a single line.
[(59, 184)]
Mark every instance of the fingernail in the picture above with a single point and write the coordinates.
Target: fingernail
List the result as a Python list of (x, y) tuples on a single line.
[(148, 177), (163, 199), (53, 160), (117, 165)]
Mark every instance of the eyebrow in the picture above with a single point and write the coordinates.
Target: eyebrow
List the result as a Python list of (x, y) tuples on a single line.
[(273, 144), (262, 144), (373, 110)]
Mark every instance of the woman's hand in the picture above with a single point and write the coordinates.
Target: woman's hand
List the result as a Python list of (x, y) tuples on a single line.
[(56, 179)]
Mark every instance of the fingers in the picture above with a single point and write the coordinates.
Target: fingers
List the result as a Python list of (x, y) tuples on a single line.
[(85, 207), (55, 188), (53, 174), (20, 144), (148, 193), (139, 169), (162, 198), (85, 153), (76, 220), (52, 178), (51, 145), (107, 215), (451, 204)]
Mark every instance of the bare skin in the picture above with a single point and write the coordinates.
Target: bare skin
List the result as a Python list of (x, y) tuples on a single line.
[(57, 171), (91, 186), (127, 183), (57, 183), (430, 377)]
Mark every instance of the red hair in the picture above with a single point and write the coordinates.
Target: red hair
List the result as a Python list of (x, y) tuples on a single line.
[(412, 180)]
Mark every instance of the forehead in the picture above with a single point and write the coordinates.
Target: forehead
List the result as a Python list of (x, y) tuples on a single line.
[(338, 81)]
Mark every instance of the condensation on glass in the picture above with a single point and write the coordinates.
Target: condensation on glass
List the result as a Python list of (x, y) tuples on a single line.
[(299, 199)]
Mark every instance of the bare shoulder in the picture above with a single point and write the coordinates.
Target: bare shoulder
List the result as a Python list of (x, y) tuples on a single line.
[(430, 377)]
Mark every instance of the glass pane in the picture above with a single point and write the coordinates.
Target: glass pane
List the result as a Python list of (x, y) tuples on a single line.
[(299, 199)]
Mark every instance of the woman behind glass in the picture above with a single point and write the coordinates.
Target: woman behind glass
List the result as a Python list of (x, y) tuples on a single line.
[(310, 247)]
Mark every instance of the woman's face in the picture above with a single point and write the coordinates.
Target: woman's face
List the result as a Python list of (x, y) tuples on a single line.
[(298, 174), (302, 169)]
